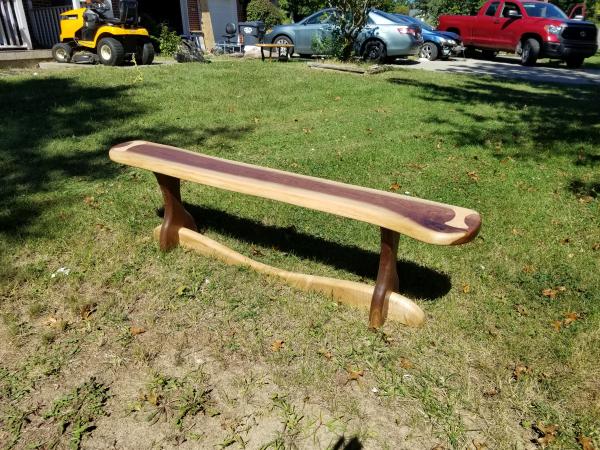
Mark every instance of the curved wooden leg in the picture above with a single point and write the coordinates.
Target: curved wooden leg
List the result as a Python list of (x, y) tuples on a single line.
[(176, 216), (387, 278)]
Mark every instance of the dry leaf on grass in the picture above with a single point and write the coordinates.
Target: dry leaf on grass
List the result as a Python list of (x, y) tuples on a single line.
[(87, 310), (354, 375), (326, 353), (256, 252), (338, 98), (438, 447), (586, 442), (406, 363), (479, 445), (596, 246), (394, 187), (491, 392), (547, 433), (277, 345), (550, 293), (136, 330), (473, 176), (520, 370), (570, 318), (557, 324), (466, 288)]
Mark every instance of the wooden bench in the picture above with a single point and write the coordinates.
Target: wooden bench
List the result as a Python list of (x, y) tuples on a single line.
[(427, 221), (279, 47)]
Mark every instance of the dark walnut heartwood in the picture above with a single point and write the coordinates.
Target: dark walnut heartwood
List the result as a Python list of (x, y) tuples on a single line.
[(428, 221)]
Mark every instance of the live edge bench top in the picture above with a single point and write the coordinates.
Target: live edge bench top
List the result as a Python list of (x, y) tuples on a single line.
[(427, 221)]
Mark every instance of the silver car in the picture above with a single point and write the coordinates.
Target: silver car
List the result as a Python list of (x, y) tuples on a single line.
[(384, 37)]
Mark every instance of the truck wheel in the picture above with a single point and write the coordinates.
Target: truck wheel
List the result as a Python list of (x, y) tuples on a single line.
[(530, 52), (429, 51), (575, 62), (144, 54), (62, 53), (110, 52)]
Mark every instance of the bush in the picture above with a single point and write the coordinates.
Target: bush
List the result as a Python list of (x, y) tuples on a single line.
[(266, 12), (168, 41)]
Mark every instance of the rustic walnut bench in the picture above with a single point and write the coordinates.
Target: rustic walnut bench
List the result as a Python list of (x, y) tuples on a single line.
[(435, 223)]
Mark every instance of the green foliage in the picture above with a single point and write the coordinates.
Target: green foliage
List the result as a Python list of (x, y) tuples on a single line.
[(435, 8), (265, 11), (298, 9), (168, 41), (352, 18)]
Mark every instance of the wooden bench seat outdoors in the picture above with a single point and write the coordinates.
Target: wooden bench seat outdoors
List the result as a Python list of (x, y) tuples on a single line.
[(427, 221)]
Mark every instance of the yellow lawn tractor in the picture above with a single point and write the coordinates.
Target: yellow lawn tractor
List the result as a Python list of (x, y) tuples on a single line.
[(93, 34)]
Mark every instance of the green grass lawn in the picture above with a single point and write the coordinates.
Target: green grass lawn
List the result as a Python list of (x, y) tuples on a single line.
[(134, 348)]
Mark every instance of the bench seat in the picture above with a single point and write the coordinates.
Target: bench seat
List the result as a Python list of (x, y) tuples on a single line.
[(427, 221)]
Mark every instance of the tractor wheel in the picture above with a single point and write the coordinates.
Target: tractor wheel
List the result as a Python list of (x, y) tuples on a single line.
[(110, 52), (144, 54), (62, 53)]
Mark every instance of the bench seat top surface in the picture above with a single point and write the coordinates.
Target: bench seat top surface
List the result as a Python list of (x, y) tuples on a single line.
[(428, 221)]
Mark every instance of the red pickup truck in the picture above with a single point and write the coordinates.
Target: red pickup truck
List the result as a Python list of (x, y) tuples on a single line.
[(532, 29)]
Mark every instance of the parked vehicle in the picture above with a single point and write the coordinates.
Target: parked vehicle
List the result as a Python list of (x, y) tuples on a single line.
[(532, 29), (384, 37), (436, 44)]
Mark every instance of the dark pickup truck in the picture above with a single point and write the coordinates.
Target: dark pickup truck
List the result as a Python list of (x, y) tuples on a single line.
[(532, 29)]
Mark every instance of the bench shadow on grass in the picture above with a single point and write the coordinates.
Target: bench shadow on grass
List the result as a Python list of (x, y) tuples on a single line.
[(416, 281), (57, 131)]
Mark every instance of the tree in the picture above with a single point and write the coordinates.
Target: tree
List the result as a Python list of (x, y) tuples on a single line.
[(352, 18), (435, 8)]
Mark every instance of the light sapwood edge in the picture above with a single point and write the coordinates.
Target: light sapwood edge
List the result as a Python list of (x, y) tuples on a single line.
[(358, 295), (323, 202)]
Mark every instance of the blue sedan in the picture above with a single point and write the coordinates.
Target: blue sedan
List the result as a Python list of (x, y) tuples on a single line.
[(385, 36), (436, 44)]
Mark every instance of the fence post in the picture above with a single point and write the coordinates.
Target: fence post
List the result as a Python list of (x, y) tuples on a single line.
[(22, 24)]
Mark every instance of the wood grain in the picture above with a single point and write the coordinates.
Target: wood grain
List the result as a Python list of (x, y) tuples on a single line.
[(358, 295), (427, 221)]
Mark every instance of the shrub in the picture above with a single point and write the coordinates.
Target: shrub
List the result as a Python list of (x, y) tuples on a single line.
[(266, 12), (168, 41)]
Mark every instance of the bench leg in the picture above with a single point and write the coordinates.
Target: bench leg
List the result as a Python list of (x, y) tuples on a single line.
[(176, 216), (387, 277)]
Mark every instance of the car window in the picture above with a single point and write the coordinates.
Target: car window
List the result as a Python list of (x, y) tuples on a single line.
[(508, 7), (382, 18), (491, 11), (324, 17), (547, 10)]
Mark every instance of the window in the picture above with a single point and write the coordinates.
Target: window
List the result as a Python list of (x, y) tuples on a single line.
[(324, 17), (491, 11), (508, 7)]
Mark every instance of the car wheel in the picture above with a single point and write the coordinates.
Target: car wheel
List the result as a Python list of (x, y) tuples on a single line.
[(374, 51), (110, 52), (285, 41), (530, 52), (575, 62), (62, 53), (144, 54), (429, 51)]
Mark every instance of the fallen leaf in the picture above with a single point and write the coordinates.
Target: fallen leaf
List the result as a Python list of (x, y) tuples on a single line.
[(547, 433), (87, 310), (307, 130), (491, 392), (557, 324), (521, 310), (277, 345), (586, 199), (473, 176), (570, 318), (561, 289), (354, 375), (136, 330), (256, 120), (466, 288), (338, 98), (596, 246), (394, 187), (153, 398), (406, 363), (90, 201), (438, 447), (256, 251), (479, 445), (550, 293), (586, 442), (515, 232), (520, 370), (369, 130)]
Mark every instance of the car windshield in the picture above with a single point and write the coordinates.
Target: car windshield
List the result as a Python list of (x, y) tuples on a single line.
[(546, 10)]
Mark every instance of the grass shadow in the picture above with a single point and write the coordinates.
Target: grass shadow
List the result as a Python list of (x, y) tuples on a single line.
[(415, 281)]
